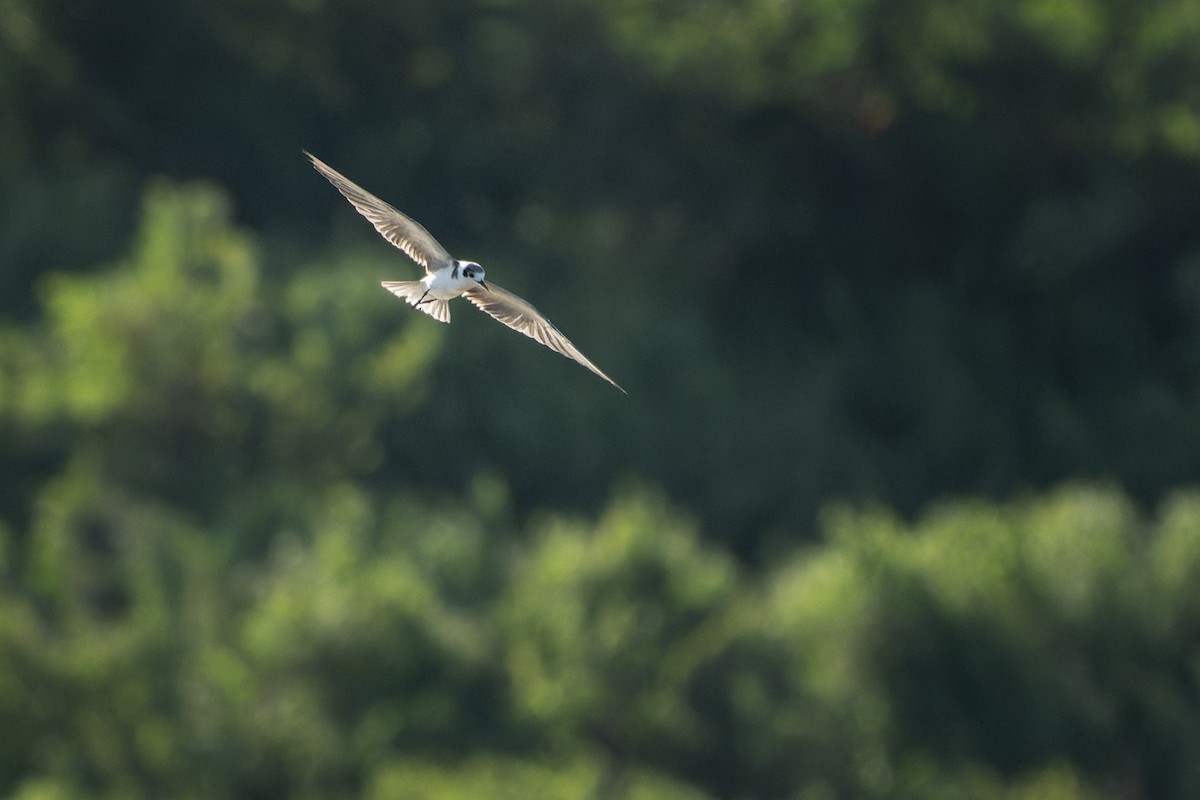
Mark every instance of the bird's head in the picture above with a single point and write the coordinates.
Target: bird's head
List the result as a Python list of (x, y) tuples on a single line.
[(473, 272)]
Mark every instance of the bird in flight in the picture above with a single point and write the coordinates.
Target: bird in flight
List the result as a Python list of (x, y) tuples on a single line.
[(445, 276)]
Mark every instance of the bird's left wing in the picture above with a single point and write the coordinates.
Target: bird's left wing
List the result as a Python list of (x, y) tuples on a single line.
[(521, 316), (399, 229)]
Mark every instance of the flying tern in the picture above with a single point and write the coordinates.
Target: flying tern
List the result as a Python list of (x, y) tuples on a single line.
[(445, 276)]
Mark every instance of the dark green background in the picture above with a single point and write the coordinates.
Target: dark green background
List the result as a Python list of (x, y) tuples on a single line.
[(906, 294)]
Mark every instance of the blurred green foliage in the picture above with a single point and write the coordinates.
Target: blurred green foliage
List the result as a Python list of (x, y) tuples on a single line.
[(971, 225), (385, 648), (266, 533)]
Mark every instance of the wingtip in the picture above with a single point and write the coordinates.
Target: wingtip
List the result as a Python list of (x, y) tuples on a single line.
[(610, 380), (317, 163)]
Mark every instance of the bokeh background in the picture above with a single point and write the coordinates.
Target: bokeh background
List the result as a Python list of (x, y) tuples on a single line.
[(901, 504)]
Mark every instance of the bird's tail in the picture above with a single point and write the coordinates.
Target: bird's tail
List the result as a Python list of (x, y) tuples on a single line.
[(412, 291)]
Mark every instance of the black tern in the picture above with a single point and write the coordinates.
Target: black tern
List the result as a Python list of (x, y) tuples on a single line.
[(445, 276)]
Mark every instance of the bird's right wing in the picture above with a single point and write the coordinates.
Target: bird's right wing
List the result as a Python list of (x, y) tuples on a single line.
[(400, 230), (521, 316)]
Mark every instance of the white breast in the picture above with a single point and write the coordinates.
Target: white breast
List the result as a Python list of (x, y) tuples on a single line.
[(445, 287)]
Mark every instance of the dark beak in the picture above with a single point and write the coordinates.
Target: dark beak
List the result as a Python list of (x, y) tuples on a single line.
[(483, 283)]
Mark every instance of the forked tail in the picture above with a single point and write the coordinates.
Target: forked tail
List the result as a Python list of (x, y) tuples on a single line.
[(412, 292)]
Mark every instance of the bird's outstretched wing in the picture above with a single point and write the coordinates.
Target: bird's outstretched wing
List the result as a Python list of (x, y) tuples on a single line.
[(520, 316), (400, 230)]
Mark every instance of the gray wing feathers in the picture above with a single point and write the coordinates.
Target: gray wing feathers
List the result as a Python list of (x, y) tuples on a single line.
[(521, 316), (400, 230)]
